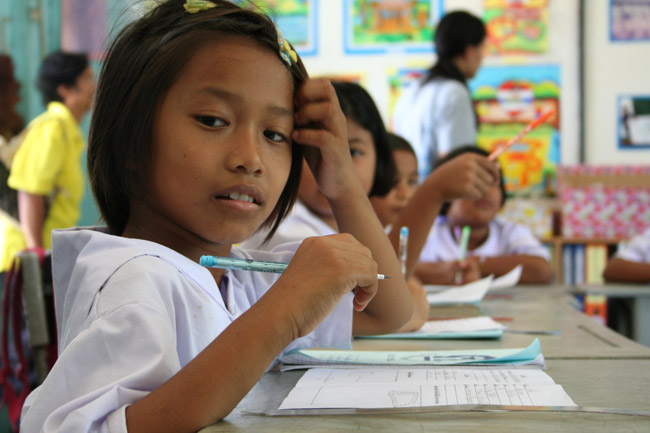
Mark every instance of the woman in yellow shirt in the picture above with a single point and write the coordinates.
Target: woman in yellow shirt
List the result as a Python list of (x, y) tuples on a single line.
[(46, 170)]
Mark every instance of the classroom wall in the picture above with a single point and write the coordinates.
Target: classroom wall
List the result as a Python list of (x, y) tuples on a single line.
[(611, 69), (562, 50)]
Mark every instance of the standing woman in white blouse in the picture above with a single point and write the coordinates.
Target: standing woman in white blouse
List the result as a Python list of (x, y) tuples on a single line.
[(435, 114)]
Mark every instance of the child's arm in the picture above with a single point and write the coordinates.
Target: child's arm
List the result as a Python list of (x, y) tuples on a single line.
[(210, 386), (536, 269), (627, 271), (469, 175), (321, 125), (420, 306)]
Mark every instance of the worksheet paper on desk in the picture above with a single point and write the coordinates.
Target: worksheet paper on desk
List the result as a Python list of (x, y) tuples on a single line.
[(474, 290), (473, 327), (370, 388), (309, 358), (470, 293)]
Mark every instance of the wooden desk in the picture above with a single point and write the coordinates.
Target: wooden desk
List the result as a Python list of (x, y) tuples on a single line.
[(535, 309), (639, 296), (614, 384), (596, 366)]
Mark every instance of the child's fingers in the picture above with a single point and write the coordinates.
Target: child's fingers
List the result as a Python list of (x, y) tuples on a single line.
[(312, 137), (363, 296), (315, 89)]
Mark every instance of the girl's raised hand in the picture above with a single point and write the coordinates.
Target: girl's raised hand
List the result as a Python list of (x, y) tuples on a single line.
[(467, 176), (321, 125)]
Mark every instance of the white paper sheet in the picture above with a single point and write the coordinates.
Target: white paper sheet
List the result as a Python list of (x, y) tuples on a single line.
[(510, 279), (470, 293), (482, 323), (408, 387)]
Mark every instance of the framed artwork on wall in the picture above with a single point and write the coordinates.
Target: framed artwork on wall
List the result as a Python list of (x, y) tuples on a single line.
[(629, 20), (381, 26), (633, 122), (516, 27)]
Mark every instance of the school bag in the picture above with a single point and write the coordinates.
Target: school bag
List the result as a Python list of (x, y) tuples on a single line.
[(17, 375)]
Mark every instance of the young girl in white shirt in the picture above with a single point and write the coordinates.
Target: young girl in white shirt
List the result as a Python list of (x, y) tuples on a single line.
[(495, 247), (193, 147)]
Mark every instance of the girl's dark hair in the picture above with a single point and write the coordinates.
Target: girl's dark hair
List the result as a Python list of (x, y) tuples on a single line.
[(57, 69), (142, 63), (468, 149), (397, 142), (358, 105), (454, 33)]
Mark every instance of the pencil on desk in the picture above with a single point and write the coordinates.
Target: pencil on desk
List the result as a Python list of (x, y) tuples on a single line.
[(532, 125)]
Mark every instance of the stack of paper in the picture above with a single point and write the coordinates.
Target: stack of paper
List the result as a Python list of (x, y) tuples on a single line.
[(471, 328), (419, 387), (309, 358)]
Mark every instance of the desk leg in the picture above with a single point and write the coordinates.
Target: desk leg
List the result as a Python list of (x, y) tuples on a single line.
[(642, 320)]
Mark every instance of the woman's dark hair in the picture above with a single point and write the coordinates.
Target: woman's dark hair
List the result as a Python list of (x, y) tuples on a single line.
[(397, 142), (468, 149), (58, 69), (454, 33), (142, 63), (358, 105)]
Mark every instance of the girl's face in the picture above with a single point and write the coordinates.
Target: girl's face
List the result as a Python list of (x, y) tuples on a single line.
[(475, 213), (364, 158), (221, 152), (389, 207)]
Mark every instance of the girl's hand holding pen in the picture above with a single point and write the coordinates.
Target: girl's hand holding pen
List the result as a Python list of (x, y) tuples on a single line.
[(323, 269)]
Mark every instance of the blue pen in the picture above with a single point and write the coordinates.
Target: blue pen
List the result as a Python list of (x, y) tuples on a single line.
[(403, 246), (250, 265)]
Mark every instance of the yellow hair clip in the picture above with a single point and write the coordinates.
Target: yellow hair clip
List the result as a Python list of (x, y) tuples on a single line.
[(286, 52), (194, 6)]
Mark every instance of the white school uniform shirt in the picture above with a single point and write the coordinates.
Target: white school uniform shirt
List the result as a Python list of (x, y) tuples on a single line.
[(301, 223), (637, 249), (505, 238), (132, 313), (435, 118)]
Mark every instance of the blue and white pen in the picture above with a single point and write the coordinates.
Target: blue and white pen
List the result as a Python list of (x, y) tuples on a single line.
[(403, 247), (250, 265)]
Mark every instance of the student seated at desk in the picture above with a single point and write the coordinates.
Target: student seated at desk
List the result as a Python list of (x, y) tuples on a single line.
[(149, 340), (631, 264), (495, 247)]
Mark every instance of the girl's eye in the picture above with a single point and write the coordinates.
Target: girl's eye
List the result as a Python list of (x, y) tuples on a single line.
[(211, 121), (275, 136), (356, 152), (413, 181)]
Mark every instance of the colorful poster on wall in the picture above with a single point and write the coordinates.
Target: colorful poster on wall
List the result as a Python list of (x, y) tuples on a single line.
[(297, 21), (634, 121), (506, 100), (516, 26), (380, 26), (629, 20), (398, 79)]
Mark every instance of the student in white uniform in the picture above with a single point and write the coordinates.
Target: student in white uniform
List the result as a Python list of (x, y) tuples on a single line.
[(496, 246), (190, 152), (435, 114), (631, 264)]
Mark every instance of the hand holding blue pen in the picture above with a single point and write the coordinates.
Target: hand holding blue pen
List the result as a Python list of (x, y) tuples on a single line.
[(250, 265)]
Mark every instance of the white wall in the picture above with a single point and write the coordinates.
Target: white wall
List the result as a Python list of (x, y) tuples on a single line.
[(611, 69), (563, 50)]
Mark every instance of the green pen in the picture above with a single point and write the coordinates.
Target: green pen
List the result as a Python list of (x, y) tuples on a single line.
[(462, 253)]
